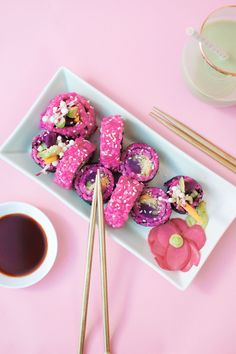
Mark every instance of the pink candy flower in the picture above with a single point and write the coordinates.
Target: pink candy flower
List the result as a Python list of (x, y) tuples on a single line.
[(175, 245)]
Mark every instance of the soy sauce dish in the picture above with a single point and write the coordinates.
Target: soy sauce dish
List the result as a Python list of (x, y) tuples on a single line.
[(28, 245)]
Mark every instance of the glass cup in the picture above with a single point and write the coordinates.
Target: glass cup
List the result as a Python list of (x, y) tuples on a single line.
[(209, 76)]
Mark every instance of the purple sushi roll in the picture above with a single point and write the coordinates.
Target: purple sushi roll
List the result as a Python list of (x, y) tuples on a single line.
[(140, 161), (69, 114), (48, 148), (85, 181), (152, 208), (183, 190)]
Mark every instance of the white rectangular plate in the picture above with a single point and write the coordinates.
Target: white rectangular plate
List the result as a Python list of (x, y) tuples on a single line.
[(219, 194)]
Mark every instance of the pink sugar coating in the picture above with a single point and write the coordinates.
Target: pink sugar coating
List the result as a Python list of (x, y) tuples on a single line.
[(84, 128), (74, 158), (122, 201), (111, 141)]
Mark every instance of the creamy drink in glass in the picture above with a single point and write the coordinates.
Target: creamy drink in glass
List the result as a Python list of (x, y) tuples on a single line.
[(210, 76)]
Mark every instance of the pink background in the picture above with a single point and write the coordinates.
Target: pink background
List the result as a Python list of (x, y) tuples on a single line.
[(131, 50)]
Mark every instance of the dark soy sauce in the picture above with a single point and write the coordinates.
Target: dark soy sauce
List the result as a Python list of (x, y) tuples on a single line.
[(23, 245)]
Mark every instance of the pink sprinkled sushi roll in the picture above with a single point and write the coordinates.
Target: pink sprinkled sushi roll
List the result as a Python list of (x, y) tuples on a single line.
[(122, 201), (111, 141), (74, 158), (69, 114)]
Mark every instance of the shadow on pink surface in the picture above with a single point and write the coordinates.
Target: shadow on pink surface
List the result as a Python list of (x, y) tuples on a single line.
[(230, 111), (219, 262)]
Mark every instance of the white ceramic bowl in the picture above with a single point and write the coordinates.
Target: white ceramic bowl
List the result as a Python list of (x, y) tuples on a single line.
[(44, 268)]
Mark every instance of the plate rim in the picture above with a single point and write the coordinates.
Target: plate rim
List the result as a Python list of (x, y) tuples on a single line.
[(4, 155)]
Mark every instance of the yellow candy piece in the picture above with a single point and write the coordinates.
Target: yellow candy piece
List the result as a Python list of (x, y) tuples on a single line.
[(50, 159), (149, 200), (191, 211), (77, 118), (105, 182)]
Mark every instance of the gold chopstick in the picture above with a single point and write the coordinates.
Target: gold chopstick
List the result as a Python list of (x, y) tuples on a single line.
[(103, 265), (196, 136), (195, 139), (88, 269), (97, 205)]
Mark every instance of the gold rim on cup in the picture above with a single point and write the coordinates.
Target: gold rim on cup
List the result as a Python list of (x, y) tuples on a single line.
[(217, 68)]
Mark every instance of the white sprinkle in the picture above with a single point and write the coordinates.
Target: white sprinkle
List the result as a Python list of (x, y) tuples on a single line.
[(45, 118), (64, 110), (62, 104)]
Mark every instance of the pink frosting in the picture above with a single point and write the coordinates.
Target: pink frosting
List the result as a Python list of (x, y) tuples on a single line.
[(84, 128), (111, 141), (122, 201), (74, 158)]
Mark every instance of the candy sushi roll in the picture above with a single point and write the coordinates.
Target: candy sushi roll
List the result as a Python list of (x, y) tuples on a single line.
[(85, 182), (122, 201), (73, 160), (152, 208), (48, 148), (111, 141), (184, 191), (69, 114), (140, 161)]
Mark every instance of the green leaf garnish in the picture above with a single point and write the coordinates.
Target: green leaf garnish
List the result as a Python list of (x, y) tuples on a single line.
[(53, 150), (42, 147), (72, 112), (202, 212), (61, 123)]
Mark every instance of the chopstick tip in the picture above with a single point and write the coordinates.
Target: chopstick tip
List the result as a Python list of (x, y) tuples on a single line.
[(98, 176)]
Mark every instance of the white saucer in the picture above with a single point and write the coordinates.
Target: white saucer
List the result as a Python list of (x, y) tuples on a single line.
[(44, 268)]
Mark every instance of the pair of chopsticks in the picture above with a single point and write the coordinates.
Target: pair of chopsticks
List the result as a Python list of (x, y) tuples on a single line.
[(195, 139), (97, 206)]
